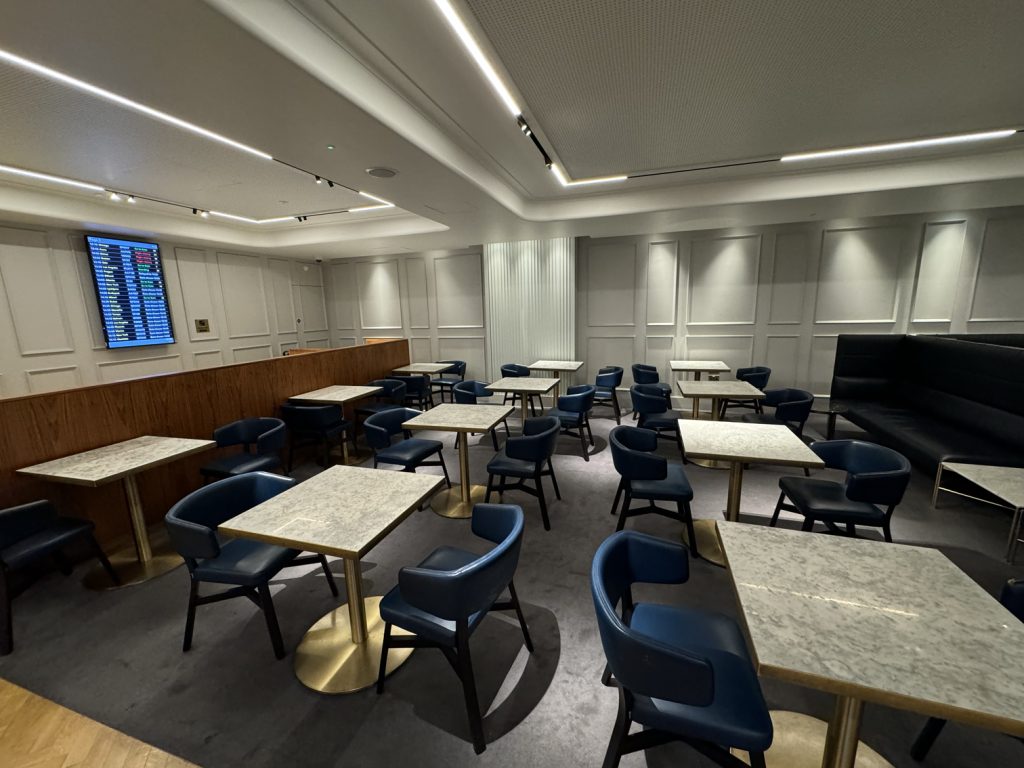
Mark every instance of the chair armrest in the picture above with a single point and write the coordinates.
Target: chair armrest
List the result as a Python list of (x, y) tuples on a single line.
[(576, 403), (24, 520), (192, 540), (526, 447), (271, 441)]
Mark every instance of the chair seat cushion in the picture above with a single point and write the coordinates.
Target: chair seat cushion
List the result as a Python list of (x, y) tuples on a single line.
[(245, 562), (408, 453), (502, 464), (325, 432), (63, 531), (674, 487), (738, 715), (394, 609), (568, 418), (668, 420), (825, 500), (603, 392), (239, 464)]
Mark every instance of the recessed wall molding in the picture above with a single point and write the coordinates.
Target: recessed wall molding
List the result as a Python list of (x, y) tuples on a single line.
[(999, 277), (244, 294), (53, 378), (458, 288), (662, 268), (118, 370), (419, 304), (858, 276), (723, 280)]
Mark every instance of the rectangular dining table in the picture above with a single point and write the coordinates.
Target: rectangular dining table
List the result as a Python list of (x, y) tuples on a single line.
[(872, 622), (524, 386), (123, 461), (697, 367), (1004, 483), (342, 511), (337, 394)]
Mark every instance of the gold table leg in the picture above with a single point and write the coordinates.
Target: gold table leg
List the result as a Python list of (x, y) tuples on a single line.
[(138, 563), (710, 463), (524, 399), (458, 502), (799, 742), (341, 652), (708, 544)]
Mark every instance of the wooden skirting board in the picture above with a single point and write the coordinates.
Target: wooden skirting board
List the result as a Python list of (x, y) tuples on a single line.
[(41, 427), (38, 733)]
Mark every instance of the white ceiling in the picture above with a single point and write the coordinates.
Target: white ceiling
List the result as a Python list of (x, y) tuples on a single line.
[(387, 84)]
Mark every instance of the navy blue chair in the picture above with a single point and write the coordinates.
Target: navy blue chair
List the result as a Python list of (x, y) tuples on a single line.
[(527, 457), (608, 380), (682, 674), (417, 391), (449, 378), (791, 408), (515, 370), (756, 376), (319, 425), (648, 375), (29, 533), (391, 395), (244, 565), (874, 475), (468, 393), (573, 413), (409, 453), (443, 600), (653, 413), (1012, 597), (261, 438), (646, 476)]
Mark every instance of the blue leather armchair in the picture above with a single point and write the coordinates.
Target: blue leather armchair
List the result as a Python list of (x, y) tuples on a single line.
[(417, 391), (646, 476), (246, 566), (408, 453), (467, 393), (443, 600), (682, 674), (608, 380), (261, 438), (449, 378), (515, 370), (320, 425), (648, 375), (29, 533), (791, 408), (756, 376), (391, 395), (875, 475), (652, 410), (525, 457), (573, 413)]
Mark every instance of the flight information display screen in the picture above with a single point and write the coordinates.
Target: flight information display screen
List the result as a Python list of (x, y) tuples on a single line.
[(130, 288)]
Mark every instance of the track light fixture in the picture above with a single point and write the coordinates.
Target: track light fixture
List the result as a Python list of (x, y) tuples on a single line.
[(114, 196), (319, 180), (131, 199), (205, 214), (195, 211)]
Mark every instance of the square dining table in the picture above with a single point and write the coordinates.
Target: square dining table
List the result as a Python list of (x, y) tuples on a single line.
[(524, 386), (736, 444), (557, 367), (342, 511), (1004, 483), (697, 367), (337, 394), (123, 461), (872, 622)]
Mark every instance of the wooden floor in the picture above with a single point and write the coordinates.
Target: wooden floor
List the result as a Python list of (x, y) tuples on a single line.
[(38, 733)]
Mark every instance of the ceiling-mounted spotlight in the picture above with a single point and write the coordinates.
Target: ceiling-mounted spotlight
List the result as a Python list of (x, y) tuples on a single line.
[(205, 214), (330, 183), (114, 196), (131, 198), (195, 211), (319, 180)]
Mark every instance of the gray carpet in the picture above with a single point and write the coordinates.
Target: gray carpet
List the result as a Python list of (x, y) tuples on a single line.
[(117, 657)]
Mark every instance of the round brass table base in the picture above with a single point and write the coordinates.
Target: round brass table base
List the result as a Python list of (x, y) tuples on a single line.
[(800, 742), (130, 570), (328, 661), (709, 463), (449, 503), (708, 544)]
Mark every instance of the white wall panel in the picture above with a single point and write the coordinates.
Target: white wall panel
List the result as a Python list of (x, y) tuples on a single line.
[(209, 358), (195, 274), (471, 349), (458, 286), (28, 275), (658, 351), (119, 370), (314, 314), (611, 284), (789, 278), (782, 355), (83, 272), (306, 273), (323, 343), (723, 280), (419, 350), (821, 362), (416, 280), (736, 351), (245, 296), (343, 295), (939, 270), (53, 379), (999, 286), (609, 350), (344, 341), (380, 304), (249, 353), (285, 311), (661, 283), (858, 276)]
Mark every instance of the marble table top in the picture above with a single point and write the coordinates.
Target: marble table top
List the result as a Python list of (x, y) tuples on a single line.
[(458, 417), (424, 368), (529, 384), (698, 365), (737, 389), (739, 441), (566, 366), (888, 623), (113, 462), (341, 511), (1007, 483), (336, 394)]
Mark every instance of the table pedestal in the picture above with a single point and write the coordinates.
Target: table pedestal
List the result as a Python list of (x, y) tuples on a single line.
[(341, 652), (708, 545), (708, 463), (800, 743), (458, 502), (140, 562)]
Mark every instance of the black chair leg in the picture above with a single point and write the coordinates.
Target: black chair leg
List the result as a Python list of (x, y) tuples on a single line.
[(618, 495), (267, 604), (6, 619), (543, 501), (494, 439), (62, 563), (328, 574), (927, 736), (625, 508), (687, 515), (384, 646), (808, 524), (190, 616), (554, 480), (756, 759), (619, 734), (476, 725), (778, 508), (444, 468), (887, 533), (590, 434), (102, 557), (522, 621), (583, 445)]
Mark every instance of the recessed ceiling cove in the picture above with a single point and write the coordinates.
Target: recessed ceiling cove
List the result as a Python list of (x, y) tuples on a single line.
[(622, 86)]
